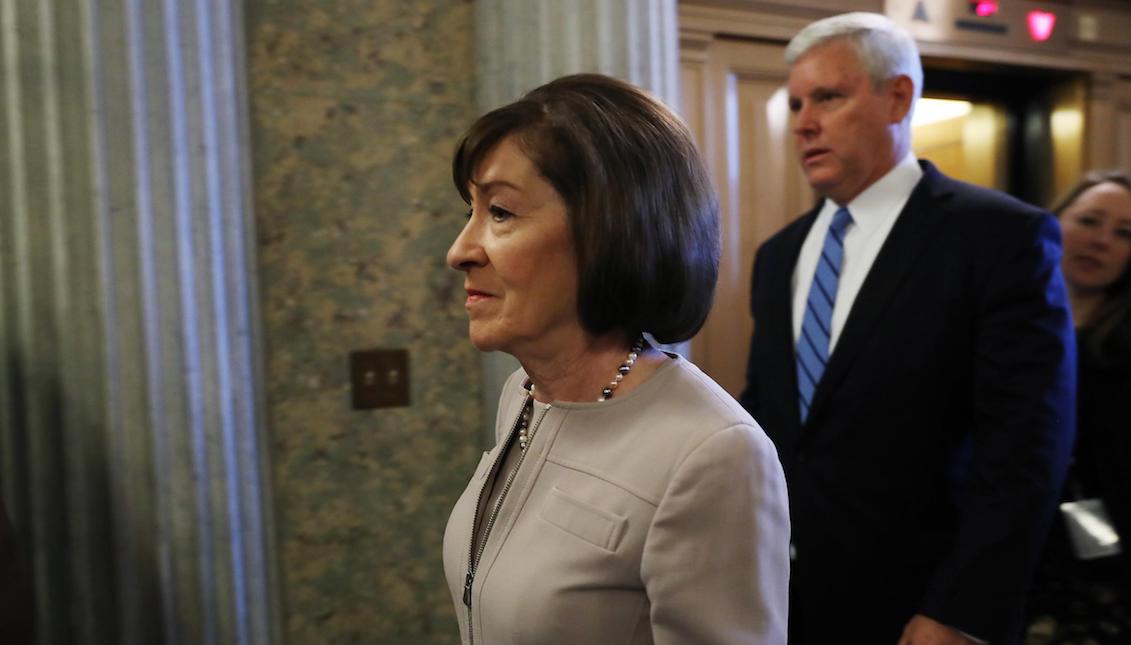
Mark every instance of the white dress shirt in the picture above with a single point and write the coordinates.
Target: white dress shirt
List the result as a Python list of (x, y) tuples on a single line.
[(874, 212)]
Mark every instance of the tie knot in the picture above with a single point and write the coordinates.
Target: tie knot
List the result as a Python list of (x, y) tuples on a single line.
[(841, 220)]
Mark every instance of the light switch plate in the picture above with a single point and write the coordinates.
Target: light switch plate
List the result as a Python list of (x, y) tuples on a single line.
[(379, 378)]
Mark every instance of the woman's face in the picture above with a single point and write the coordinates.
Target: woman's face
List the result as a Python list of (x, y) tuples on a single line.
[(1097, 237), (517, 253)]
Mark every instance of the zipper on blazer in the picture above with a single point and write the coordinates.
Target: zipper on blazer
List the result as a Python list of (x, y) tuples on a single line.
[(474, 555)]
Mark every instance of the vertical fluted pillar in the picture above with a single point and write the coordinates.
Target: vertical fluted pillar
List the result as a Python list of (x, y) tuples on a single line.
[(521, 44), (131, 439)]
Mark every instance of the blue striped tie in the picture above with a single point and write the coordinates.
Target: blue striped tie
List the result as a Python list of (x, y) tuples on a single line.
[(816, 325)]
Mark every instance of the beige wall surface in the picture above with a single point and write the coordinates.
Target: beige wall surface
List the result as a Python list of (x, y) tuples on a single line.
[(356, 106)]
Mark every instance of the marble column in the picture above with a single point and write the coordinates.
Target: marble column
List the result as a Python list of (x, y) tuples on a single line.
[(131, 432), (521, 44)]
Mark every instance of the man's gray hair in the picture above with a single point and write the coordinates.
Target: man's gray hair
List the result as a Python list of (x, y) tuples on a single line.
[(883, 48)]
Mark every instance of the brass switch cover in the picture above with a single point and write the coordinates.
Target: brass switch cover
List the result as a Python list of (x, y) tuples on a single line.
[(379, 378)]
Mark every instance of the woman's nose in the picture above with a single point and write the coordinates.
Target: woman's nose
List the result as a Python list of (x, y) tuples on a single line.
[(467, 251), (1103, 238)]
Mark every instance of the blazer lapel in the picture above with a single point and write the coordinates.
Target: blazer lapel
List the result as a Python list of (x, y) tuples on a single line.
[(912, 230)]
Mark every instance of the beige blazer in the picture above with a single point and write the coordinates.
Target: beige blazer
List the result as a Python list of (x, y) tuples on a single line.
[(659, 516)]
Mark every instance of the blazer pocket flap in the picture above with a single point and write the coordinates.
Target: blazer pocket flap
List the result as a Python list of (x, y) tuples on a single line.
[(594, 525)]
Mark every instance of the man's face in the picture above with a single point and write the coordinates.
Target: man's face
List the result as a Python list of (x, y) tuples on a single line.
[(844, 129)]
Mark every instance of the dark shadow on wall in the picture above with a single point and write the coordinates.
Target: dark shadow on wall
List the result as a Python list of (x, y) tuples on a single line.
[(17, 607), (59, 558)]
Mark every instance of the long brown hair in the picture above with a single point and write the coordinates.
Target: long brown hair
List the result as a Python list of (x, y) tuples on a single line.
[(1109, 331)]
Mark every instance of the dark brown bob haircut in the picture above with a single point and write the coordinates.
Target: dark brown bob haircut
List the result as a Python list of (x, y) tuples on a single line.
[(1109, 331), (642, 212)]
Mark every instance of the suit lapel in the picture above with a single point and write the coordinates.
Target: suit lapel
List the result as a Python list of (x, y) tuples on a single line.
[(779, 328), (915, 226)]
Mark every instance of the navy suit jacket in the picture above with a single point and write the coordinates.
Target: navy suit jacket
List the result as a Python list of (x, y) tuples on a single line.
[(926, 474)]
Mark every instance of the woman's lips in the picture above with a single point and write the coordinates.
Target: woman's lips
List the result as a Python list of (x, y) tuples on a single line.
[(1087, 263), (474, 297)]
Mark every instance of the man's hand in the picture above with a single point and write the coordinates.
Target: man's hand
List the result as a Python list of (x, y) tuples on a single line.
[(921, 630)]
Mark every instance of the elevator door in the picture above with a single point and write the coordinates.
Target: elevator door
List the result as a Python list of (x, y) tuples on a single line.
[(965, 139), (1024, 131)]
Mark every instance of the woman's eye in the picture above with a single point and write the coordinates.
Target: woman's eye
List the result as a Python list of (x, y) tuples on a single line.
[(499, 214)]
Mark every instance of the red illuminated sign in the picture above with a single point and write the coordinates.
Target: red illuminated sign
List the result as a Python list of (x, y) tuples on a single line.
[(1041, 24), (984, 8)]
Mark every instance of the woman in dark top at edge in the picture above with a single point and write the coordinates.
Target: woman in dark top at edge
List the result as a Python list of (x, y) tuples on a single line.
[(1088, 599)]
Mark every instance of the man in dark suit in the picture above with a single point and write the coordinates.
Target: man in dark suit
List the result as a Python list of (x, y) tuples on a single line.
[(913, 361)]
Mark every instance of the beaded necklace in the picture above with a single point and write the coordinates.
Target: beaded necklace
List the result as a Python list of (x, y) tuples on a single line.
[(525, 435)]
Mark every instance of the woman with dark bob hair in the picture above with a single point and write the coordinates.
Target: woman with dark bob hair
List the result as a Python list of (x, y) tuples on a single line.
[(629, 498), (1082, 591)]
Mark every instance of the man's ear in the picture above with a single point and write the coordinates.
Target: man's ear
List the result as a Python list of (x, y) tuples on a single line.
[(901, 90)]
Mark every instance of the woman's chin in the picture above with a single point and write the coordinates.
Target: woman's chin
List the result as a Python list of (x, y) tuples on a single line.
[(484, 347), (484, 342)]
